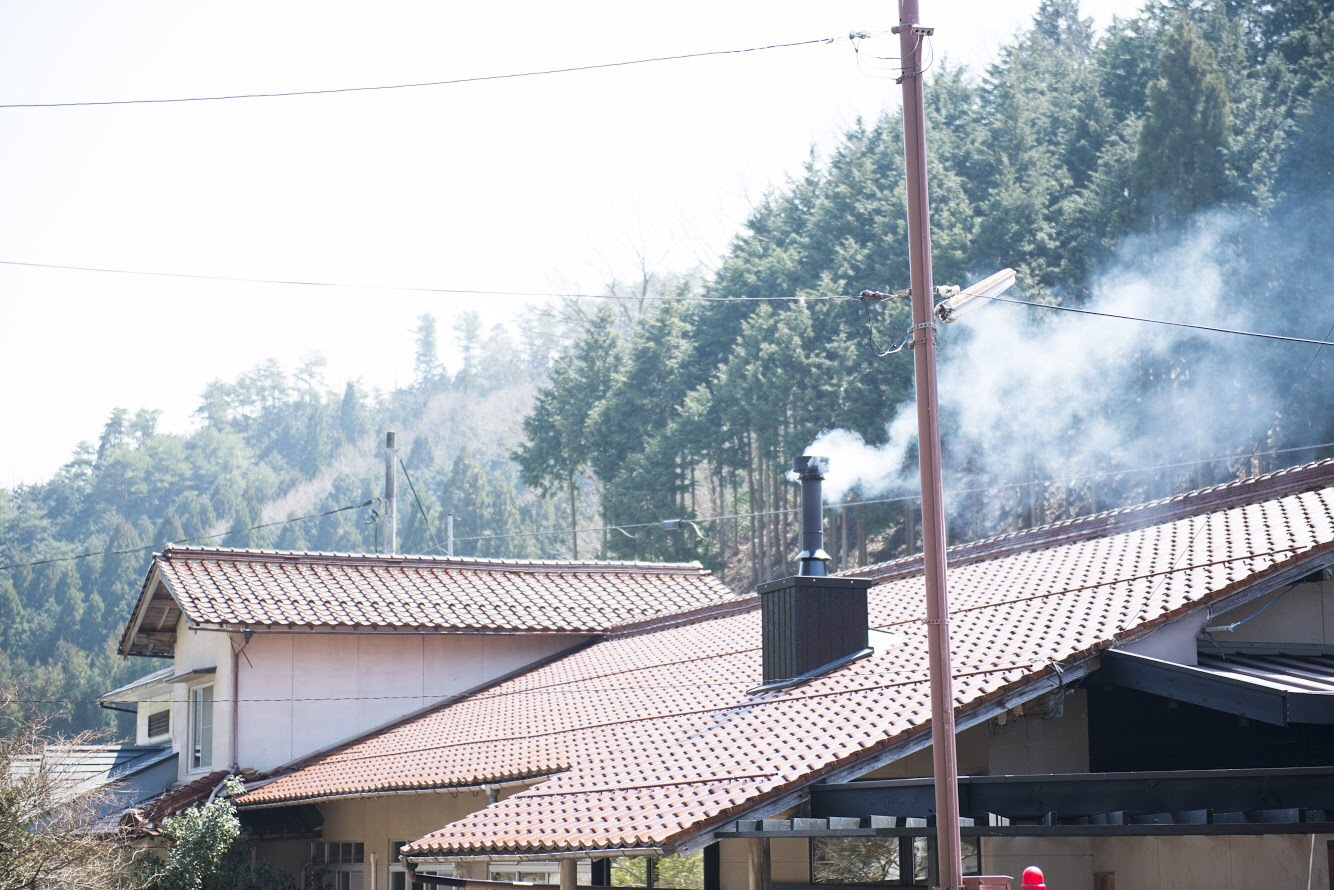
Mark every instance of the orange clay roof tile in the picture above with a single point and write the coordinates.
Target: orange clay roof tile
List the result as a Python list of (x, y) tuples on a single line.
[(257, 589), (654, 734)]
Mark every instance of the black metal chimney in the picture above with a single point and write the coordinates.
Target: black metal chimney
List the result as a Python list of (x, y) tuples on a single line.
[(812, 561), (812, 622)]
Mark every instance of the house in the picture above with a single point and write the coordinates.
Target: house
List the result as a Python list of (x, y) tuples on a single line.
[(106, 779), (276, 656), (1142, 695)]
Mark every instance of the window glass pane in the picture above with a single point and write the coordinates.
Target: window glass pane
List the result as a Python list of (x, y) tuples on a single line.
[(921, 859), (679, 872), (629, 871), (972, 856), (855, 860), (201, 727)]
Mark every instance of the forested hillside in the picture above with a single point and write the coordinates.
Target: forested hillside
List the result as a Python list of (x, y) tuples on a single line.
[(1176, 167), (274, 445), (1179, 166)]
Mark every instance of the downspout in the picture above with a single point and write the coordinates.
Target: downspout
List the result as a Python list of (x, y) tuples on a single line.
[(236, 698)]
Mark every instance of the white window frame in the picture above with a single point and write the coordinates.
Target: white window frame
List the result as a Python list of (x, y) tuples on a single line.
[(200, 744), (541, 871), (396, 869)]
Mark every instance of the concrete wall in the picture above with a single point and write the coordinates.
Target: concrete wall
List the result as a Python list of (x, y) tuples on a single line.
[(1022, 742), (1035, 744), (1066, 862), (300, 693), (1296, 862), (1305, 614), (379, 821)]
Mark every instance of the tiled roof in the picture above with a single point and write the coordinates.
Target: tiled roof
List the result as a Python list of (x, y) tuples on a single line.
[(653, 734), (256, 589), (147, 817)]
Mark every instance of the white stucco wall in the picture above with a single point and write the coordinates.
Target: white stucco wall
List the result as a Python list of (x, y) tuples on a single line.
[(301, 693), (1304, 615), (304, 692), (198, 650)]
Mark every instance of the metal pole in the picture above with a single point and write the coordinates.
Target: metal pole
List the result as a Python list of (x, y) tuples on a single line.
[(946, 765), (390, 494), (449, 535)]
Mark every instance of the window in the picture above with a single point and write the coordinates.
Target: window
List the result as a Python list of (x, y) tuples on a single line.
[(338, 866), (398, 876), (667, 872), (159, 722), (201, 728), (531, 872), (893, 861)]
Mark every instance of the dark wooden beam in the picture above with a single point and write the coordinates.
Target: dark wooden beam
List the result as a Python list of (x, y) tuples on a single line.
[(713, 867), (1076, 795), (1127, 830)]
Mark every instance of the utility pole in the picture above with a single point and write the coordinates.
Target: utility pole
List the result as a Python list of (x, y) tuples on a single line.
[(948, 842), (390, 494)]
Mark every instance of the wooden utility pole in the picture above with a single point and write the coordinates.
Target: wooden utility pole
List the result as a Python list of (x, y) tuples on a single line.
[(949, 843), (390, 494)]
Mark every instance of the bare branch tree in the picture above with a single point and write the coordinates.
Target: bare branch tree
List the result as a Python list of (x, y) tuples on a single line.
[(55, 830)]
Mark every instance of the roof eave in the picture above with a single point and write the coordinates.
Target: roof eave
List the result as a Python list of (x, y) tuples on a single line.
[(146, 593)]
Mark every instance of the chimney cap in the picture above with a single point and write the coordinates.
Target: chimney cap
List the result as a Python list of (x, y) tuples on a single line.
[(809, 466)]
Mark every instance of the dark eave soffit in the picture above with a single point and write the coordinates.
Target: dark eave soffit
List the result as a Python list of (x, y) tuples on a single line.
[(1231, 695)]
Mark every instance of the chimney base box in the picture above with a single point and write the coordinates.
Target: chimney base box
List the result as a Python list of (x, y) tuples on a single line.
[(811, 624)]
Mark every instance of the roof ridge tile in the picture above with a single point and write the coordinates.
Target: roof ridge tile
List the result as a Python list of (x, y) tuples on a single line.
[(1093, 525)]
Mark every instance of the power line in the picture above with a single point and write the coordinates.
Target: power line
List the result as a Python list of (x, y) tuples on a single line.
[(419, 290), (129, 550), (1174, 324), (543, 72), (430, 528)]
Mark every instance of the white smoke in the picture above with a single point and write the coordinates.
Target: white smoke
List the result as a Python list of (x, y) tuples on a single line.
[(1028, 391)]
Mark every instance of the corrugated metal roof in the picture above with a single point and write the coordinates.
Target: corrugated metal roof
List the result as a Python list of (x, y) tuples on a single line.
[(1290, 673)]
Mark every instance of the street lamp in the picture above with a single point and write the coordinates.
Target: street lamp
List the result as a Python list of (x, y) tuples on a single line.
[(957, 302)]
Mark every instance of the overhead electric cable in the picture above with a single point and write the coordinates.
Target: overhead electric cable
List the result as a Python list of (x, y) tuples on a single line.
[(515, 75), (420, 508), (1174, 324), (128, 550), (419, 290)]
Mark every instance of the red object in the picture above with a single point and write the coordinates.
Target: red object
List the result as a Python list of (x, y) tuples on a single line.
[(1032, 879)]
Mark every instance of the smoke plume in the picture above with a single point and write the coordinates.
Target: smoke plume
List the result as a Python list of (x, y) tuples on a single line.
[(1031, 393)]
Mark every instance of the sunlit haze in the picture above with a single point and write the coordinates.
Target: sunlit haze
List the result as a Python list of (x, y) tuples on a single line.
[(550, 184)]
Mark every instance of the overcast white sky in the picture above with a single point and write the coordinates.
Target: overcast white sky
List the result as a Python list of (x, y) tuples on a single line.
[(544, 183)]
